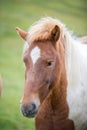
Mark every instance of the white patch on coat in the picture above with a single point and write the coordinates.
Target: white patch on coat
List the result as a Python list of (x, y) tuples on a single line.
[(76, 66), (35, 54)]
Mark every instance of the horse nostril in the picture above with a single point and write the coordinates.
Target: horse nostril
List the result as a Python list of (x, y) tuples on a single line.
[(29, 110), (33, 106)]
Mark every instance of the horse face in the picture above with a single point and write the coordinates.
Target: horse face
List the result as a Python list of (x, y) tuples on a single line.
[(41, 61), (42, 65)]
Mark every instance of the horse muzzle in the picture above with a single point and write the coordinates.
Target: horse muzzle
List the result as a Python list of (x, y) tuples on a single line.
[(29, 110)]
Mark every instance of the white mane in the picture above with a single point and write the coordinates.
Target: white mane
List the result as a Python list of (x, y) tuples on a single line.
[(76, 68)]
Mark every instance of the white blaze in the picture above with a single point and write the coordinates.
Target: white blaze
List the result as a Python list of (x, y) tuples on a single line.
[(35, 54)]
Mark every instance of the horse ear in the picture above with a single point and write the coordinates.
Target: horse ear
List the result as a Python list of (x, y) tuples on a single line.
[(55, 33), (22, 33)]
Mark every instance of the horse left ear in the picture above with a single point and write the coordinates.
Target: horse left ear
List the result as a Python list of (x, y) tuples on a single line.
[(55, 33), (22, 33)]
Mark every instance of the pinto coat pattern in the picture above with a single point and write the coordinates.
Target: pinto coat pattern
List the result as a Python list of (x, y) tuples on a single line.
[(55, 84)]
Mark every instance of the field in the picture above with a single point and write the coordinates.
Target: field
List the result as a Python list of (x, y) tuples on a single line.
[(23, 13)]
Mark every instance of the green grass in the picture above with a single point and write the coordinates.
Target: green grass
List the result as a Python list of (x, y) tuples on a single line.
[(23, 13)]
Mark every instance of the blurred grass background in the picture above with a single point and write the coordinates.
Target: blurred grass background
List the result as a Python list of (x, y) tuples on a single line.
[(23, 13)]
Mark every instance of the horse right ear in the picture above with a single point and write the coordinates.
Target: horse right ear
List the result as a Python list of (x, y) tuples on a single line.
[(55, 33), (22, 33)]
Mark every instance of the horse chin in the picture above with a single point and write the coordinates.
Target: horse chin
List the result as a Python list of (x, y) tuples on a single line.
[(32, 116)]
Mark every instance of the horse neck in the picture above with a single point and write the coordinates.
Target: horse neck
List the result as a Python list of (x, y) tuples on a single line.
[(58, 99)]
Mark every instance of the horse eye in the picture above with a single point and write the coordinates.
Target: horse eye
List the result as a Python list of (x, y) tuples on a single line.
[(49, 63)]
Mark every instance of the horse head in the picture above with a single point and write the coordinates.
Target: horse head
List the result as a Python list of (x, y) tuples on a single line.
[(43, 67)]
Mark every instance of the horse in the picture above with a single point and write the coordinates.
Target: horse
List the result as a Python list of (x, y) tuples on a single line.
[(55, 91)]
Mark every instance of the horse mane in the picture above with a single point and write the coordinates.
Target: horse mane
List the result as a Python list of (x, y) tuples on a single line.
[(41, 30)]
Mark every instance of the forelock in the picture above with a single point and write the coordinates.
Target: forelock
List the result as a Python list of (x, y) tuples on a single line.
[(41, 30)]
